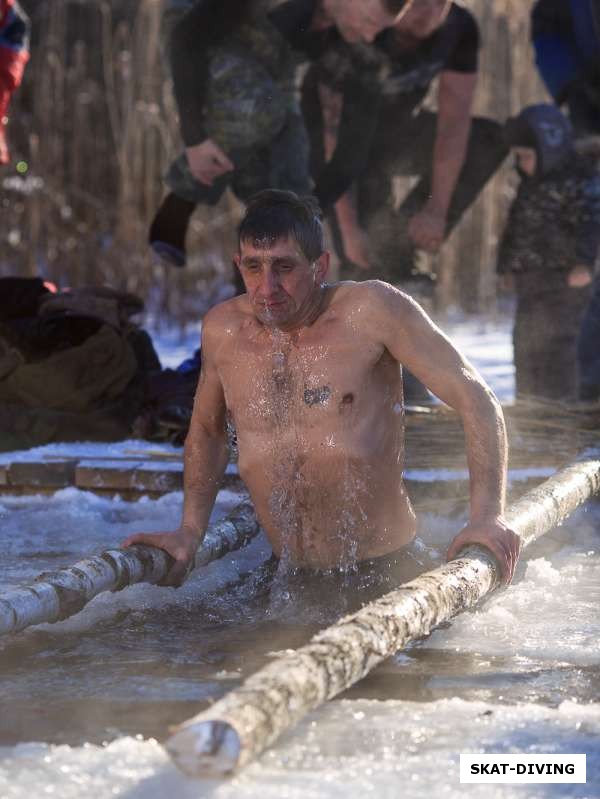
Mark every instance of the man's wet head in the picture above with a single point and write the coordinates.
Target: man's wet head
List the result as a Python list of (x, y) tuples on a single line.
[(362, 20), (282, 258)]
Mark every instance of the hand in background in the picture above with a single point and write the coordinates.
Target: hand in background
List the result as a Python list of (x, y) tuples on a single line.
[(427, 229), (356, 247), (207, 162), (579, 277)]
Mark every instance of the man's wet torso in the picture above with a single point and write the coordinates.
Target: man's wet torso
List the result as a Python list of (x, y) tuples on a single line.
[(318, 415)]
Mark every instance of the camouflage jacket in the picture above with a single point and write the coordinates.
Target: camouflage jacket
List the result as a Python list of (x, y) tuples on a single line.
[(273, 33), (554, 222)]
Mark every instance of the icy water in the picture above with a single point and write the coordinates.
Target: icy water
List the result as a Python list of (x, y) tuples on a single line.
[(85, 703)]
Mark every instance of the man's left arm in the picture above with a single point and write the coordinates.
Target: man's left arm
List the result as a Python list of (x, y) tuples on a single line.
[(419, 345), (456, 92)]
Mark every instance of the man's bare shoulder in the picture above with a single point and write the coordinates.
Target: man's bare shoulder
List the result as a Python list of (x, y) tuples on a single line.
[(228, 314), (225, 320), (372, 295)]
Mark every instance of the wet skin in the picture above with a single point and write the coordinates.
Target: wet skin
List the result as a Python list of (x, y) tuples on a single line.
[(311, 376), (320, 431)]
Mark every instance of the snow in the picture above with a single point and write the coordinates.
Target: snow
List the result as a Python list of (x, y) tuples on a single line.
[(519, 674)]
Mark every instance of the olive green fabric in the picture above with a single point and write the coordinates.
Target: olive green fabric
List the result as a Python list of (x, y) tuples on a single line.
[(74, 379), (21, 428)]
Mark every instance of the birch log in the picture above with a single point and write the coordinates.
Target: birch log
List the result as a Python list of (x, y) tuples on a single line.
[(55, 596), (241, 725)]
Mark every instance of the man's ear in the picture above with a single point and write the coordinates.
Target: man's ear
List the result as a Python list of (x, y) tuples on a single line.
[(237, 260), (322, 266)]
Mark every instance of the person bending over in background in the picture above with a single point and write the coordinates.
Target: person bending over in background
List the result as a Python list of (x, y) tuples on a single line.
[(14, 54), (234, 76), (452, 154), (549, 246), (310, 373)]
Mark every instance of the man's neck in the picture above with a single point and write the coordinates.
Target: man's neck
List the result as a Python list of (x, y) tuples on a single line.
[(308, 313)]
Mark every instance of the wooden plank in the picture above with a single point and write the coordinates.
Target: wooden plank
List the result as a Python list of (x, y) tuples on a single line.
[(106, 475), (60, 474)]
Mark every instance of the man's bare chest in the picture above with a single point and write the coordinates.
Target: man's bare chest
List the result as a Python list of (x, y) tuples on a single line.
[(286, 383)]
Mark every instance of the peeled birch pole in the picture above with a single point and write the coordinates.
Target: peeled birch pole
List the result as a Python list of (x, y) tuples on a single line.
[(240, 726), (55, 596)]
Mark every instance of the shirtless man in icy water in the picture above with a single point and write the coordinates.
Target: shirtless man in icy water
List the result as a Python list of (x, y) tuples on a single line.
[(310, 373)]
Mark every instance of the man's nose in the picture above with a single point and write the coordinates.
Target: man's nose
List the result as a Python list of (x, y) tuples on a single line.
[(370, 31), (269, 283), (368, 35)]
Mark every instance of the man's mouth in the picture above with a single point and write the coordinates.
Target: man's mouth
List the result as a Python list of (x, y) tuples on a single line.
[(274, 304)]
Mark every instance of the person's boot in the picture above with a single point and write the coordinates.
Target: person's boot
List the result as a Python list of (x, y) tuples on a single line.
[(169, 228)]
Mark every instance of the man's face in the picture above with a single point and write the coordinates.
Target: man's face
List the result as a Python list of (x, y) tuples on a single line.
[(282, 285), (359, 20), (421, 18)]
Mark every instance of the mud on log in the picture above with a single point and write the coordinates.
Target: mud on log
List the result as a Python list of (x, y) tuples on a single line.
[(240, 726), (55, 596)]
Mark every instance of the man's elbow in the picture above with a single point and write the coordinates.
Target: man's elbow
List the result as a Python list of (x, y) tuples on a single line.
[(478, 400), (203, 432)]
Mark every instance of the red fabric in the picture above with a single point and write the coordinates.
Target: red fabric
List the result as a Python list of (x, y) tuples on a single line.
[(12, 67), (4, 6), (5, 95)]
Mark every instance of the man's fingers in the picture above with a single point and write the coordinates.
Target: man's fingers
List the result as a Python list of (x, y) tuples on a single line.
[(225, 164), (178, 573), (138, 538), (204, 178), (505, 550), (207, 175)]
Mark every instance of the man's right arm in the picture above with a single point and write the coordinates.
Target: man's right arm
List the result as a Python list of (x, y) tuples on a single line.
[(333, 178), (206, 452), (205, 461)]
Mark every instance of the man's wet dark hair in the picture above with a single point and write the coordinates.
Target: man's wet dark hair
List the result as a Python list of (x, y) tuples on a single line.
[(272, 215)]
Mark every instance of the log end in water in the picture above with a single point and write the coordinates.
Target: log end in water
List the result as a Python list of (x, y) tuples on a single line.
[(205, 749)]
